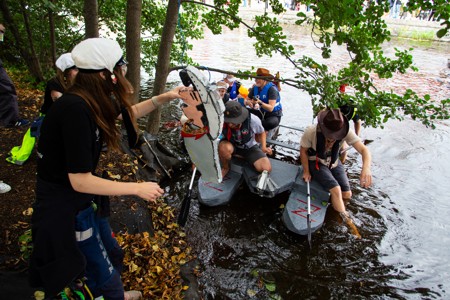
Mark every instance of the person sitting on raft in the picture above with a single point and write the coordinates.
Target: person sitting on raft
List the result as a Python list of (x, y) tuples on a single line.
[(241, 131), (265, 100), (233, 86), (319, 155), (222, 88)]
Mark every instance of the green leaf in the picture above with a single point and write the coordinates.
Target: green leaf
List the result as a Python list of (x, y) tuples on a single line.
[(441, 32), (271, 287)]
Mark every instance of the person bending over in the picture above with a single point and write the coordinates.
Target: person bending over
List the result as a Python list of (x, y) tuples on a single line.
[(241, 133), (319, 155)]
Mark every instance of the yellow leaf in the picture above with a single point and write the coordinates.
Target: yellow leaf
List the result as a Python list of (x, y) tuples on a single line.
[(39, 295), (28, 211), (133, 267)]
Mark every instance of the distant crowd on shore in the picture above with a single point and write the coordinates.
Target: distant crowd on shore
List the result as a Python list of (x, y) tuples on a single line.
[(396, 8)]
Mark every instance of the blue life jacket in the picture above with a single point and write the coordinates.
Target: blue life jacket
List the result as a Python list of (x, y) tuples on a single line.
[(233, 90), (263, 95)]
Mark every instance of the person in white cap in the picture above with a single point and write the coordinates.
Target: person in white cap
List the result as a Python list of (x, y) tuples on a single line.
[(222, 88), (65, 74), (233, 86), (71, 235)]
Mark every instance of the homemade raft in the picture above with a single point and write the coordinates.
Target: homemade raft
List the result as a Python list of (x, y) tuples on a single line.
[(296, 209), (284, 177), (280, 180)]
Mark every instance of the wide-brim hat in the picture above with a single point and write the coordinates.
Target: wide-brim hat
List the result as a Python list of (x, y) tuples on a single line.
[(263, 72), (333, 124), (65, 62), (96, 54), (235, 113)]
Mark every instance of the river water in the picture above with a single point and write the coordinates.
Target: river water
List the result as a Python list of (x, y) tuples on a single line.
[(243, 248)]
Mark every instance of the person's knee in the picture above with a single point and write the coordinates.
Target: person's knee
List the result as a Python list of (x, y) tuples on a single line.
[(336, 190), (226, 150), (263, 164)]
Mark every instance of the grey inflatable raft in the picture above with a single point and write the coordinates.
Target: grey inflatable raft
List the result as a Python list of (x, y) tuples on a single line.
[(296, 209), (281, 179)]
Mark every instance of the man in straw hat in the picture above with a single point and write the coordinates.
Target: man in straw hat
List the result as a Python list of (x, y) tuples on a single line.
[(241, 131), (265, 99), (319, 154)]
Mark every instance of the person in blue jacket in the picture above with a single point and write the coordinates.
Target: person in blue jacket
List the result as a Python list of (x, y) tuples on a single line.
[(265, 99)]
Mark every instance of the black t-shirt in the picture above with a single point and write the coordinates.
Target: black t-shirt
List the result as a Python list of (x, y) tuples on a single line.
[(70, 141), (52, 85)]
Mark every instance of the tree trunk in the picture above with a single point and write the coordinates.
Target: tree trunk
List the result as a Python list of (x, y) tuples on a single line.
[(30, 58), (35, 65), (51, 22), (90, 11), (133, 45), (163, 63)]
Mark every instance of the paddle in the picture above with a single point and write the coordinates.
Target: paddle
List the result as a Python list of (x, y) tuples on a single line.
[(308, 216), (185, 206)]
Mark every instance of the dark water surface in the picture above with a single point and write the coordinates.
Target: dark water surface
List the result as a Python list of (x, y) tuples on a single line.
[(244, 249)]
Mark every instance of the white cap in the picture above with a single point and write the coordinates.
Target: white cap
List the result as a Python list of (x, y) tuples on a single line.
[(65, 62), (222, 84), (97, 54)]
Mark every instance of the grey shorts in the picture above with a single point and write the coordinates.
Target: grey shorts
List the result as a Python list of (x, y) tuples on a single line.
[(330, 178), (251, 154)]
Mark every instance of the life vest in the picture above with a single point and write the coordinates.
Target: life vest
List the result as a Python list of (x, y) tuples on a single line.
[(234, 90), (239, 136), (263, 95), (320, 152)]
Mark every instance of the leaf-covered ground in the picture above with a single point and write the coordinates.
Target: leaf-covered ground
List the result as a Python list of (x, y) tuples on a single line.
[(152, 263)]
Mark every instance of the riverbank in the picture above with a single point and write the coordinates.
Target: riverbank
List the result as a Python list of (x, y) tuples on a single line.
[(413, 28), (159, 263)]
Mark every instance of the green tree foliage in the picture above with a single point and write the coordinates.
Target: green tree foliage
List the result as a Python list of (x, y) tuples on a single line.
[(358, 25), (362, 30), (69, 28)]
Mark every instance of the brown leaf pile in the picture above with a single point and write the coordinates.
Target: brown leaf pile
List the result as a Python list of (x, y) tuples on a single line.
[(153, 262)]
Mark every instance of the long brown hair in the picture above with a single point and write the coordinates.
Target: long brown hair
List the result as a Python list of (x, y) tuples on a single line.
[(124, 90), (63, 78), (97, 93)]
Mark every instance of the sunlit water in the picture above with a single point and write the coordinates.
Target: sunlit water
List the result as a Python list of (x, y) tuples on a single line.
[(403, 253)]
